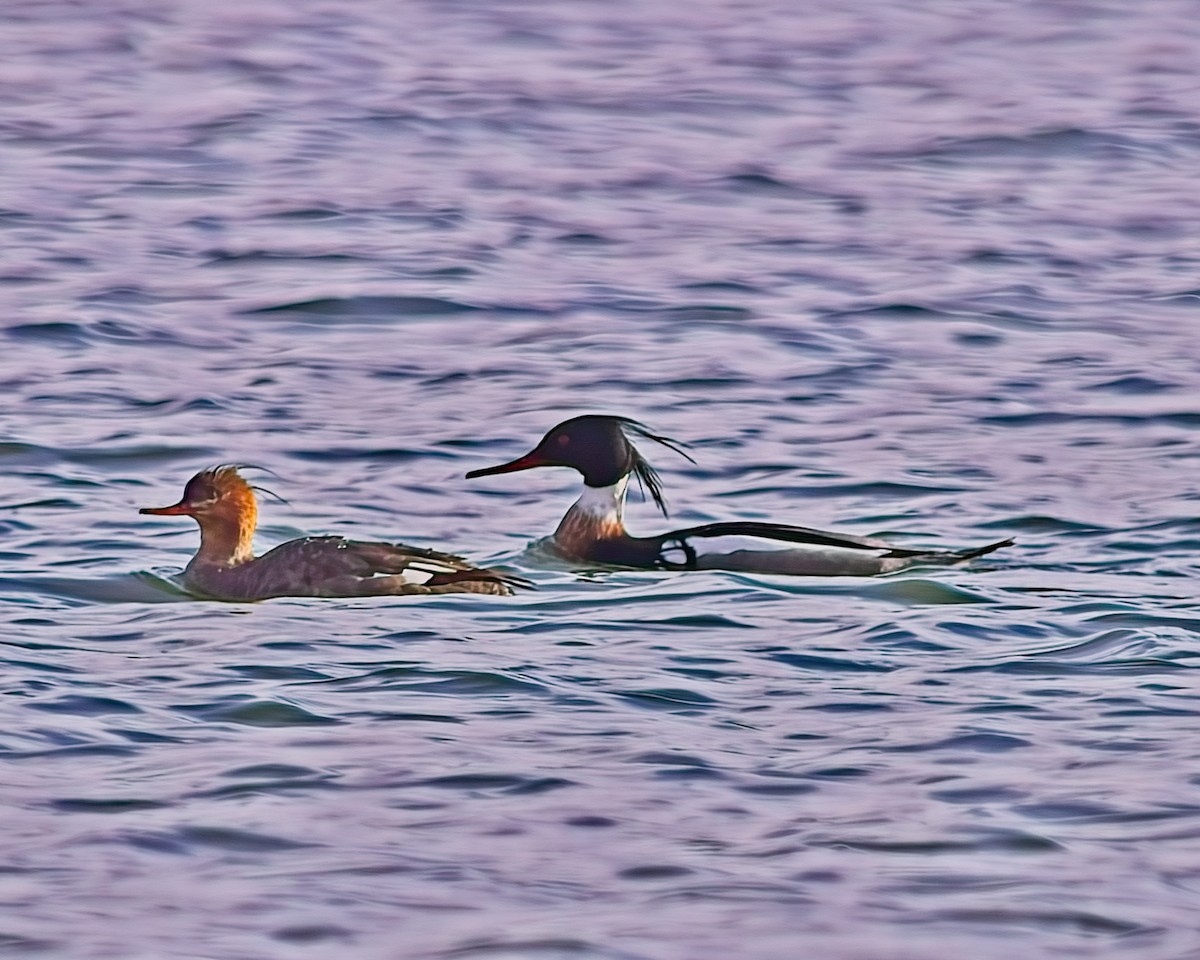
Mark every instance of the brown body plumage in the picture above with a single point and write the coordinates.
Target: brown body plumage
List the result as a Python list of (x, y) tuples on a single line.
[(225, 568)]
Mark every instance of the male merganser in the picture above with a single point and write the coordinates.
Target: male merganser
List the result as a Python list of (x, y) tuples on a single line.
[(593, 530), (225, 567)]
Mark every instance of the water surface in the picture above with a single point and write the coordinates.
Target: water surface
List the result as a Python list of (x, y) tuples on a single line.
[(924, 270)]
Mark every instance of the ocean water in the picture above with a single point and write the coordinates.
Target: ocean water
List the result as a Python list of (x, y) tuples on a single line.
[(922, 269)]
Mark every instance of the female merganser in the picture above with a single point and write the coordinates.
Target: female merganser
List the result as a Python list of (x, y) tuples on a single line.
[(593, 530), (225, 567)]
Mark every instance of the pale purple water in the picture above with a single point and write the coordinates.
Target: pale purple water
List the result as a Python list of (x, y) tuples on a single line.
[(924, 269)]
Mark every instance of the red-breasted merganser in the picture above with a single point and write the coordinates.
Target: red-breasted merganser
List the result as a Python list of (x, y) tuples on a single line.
[(225, 567), (593, 530)]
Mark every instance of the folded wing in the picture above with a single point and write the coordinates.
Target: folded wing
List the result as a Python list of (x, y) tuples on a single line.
[(334, 566), (783, 548)]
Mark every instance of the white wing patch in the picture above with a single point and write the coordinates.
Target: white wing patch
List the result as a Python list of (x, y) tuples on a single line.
[(420, 570)]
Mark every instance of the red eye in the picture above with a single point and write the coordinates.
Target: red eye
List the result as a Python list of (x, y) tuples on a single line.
[(563, 439)]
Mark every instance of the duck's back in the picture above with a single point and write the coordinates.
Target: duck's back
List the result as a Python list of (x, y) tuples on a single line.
[(336, 567)]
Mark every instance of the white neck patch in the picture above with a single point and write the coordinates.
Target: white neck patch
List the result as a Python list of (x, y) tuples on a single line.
[(603, 503)]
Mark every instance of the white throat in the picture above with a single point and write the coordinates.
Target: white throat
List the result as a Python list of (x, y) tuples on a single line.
[(595, 518), (603, 503)]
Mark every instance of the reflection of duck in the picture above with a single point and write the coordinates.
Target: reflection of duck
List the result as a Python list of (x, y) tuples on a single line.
[(225, 567), (593, 530)]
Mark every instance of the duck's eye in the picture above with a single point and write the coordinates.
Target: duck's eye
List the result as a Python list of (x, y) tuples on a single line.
[(563, 439), (200, 494)]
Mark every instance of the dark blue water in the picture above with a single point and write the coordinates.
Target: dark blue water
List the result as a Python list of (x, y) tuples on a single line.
[(921, 269)]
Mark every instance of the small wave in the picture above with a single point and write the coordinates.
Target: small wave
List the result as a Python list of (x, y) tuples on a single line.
[(1180, 418), (502, 784), (980, 742), (411, 677), (237, 841), (219, 257), (270, 778), (707, 312), (85, 706), (55, 332), (1040, 523), (677, 699), (1045, 667), (32, 454), (125, 588), (998, 840), (259, 713), (370, 453), (369, 308), (82, 333), (833, 665), (913, 592), (551, 948), (89, 805), (994, 150)]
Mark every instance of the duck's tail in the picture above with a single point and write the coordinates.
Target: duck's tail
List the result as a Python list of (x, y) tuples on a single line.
[(980, 551), (954, 556), (477, 580)]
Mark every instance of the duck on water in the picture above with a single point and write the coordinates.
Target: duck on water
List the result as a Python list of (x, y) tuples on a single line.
[(225, 568), (593, 531)]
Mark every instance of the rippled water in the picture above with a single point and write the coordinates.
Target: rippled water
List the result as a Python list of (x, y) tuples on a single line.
[(923, 269)]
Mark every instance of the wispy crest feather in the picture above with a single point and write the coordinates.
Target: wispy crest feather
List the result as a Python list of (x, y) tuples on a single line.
[(647, 477), (218, 472)]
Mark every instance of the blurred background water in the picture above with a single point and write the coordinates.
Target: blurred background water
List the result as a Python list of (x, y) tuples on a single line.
[(926, 269)]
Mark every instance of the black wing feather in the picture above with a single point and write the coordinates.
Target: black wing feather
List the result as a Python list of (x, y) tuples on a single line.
[(848, 541), (794, 534)]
